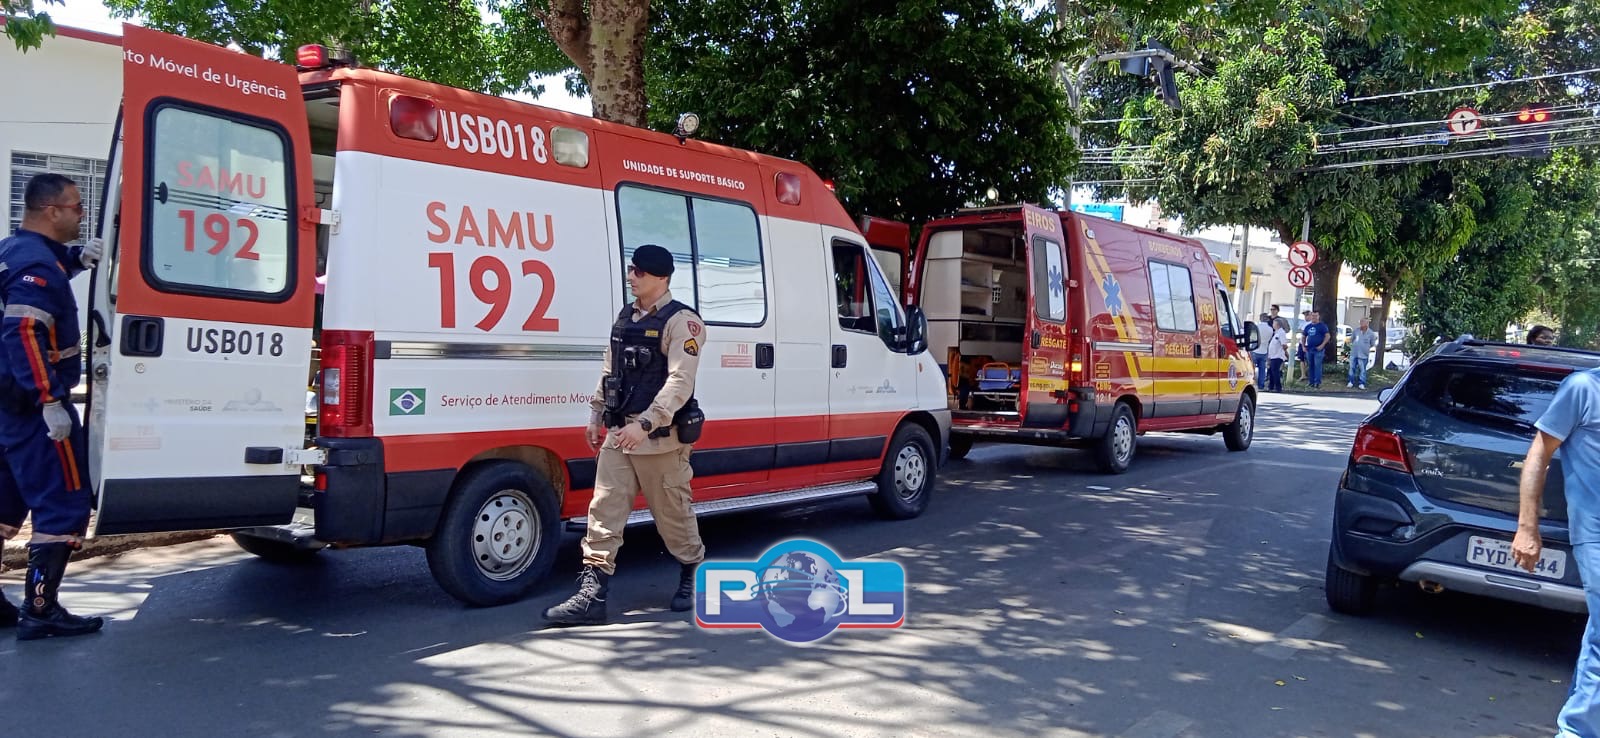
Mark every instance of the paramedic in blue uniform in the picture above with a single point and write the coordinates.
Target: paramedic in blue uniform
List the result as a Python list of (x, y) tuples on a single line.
[(645, 411), (41, 439)]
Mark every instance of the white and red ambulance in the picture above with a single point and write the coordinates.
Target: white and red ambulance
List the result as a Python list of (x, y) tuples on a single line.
[(471, 251)]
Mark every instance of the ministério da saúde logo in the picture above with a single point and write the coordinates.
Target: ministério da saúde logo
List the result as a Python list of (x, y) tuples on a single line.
[(800, 591)]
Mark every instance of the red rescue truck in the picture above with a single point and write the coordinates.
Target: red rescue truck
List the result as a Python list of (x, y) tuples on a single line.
[(1058, 328), (471, 251)]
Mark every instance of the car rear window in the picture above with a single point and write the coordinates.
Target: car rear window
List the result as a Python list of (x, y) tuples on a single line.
[(1496, 395)]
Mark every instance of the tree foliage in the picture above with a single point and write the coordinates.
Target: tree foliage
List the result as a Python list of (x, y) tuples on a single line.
[(27, 22), (914, 108)]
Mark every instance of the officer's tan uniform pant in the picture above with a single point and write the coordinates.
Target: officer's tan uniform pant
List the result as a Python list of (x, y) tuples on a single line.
[(664, 478)]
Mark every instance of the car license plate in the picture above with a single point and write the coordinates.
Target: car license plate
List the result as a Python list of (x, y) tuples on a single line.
[(1497, 553)]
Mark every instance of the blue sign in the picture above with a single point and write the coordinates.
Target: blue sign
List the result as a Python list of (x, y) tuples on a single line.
[(800, 591), (1109, 212)]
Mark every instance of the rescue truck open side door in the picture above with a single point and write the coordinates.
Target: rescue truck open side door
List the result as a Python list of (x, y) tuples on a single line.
[(1044, 355), (203, 308)]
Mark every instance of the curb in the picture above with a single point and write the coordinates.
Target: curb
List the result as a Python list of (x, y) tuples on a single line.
[(15, 554)]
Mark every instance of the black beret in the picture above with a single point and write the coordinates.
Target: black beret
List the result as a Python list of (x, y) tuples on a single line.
[(653, 260)]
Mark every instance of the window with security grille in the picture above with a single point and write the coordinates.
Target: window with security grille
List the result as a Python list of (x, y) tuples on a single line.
[(88, 174)]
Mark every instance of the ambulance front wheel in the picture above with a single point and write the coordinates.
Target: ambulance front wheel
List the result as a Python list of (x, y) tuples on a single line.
[(1242, 430), (498, 536), (906, 480), (1114, 452)]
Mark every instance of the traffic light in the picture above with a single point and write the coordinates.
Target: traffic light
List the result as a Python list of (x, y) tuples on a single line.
[(1166, 81), (1534, 145), (1534, 113)]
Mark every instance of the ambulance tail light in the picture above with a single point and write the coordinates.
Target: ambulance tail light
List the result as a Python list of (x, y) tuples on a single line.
[(788, 186), (415, 118), (346, 410)]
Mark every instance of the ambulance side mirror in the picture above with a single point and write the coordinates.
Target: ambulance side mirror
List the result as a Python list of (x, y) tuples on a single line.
[(1252, 337), (916, 340)]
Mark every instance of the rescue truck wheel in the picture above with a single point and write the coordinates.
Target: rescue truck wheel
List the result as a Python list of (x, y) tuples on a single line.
[(498, 536), (906, 481), (1114, 452), (959, 446), (277, 552), (1242, 430)]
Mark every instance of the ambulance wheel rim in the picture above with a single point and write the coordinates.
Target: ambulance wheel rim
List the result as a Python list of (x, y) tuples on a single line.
[(910, 472), (505, 535), (1122, 439), (1247, 422)]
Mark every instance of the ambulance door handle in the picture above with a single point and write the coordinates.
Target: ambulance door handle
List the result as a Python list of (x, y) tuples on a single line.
[(764, 356), (141, 336), (1035, 339), (841, 356), (1197, 352)]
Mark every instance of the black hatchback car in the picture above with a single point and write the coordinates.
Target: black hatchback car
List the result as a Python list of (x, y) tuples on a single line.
[(1430, 492)]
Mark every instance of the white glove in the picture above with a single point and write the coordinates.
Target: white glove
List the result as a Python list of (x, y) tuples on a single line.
[(58, 420), (93, 249)]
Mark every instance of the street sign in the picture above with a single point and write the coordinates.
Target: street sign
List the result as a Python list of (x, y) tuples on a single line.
[(1300, 277), (1302, 254), (1464, 120)]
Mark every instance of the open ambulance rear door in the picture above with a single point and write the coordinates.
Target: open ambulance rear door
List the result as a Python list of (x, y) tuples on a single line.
[(1045, 397), (202, 311)]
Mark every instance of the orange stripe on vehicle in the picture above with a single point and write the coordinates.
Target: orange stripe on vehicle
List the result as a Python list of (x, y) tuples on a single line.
[(41, 376)]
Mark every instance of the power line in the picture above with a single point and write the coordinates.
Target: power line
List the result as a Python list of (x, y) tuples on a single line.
[(1492, 83), (1571, 107), (1424, 158)]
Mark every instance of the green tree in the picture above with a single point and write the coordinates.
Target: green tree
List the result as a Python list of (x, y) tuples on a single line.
[(27, 22), (914, 108)]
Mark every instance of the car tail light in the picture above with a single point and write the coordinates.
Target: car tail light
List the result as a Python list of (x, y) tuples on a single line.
[(788, 188), (414, 118), (346, 410), (1380, 448)]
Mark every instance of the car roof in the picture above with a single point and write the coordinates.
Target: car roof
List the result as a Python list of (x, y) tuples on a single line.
[(1470, 348)]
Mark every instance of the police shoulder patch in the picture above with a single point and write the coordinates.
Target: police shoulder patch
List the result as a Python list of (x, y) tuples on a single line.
[(691, 347)]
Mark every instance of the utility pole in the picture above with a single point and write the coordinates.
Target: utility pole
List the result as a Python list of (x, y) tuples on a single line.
[(1244, 271)]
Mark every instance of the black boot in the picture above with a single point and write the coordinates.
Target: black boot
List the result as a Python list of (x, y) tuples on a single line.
[(42, 615), (8, 613), (588, 605), (683, 599)]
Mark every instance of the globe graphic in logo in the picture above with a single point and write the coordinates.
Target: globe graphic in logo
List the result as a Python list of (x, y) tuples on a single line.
[(802, 594)]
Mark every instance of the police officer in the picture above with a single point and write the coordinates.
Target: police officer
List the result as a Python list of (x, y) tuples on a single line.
[(646, 413), (41, 438)]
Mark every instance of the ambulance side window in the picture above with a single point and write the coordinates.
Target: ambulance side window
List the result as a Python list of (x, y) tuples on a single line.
[(1229, 322), (715, 245), (853, 291), (217, 206), (1173, 294)]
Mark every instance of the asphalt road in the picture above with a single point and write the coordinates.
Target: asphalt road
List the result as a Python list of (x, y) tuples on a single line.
[(1181, 599)]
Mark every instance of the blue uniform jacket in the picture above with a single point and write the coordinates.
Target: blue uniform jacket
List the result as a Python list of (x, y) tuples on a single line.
[(39, 335)]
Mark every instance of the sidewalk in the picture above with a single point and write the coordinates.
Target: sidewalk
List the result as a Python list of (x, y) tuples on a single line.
[(15, 555)]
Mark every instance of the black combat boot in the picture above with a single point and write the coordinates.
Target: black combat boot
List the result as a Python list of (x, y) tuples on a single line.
[(8, 612), (42, 615), (683, 599), (588, 605)]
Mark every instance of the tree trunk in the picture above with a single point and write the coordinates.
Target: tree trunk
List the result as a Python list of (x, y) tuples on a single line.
[(616, 45), (1325, 274), (568, 26), (1387, 293)]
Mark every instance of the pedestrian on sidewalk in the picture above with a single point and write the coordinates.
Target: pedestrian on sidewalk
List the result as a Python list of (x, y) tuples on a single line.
[(1572, 424), (41, 438), (1317, 338), (1277, 354), (1361, 354), (1259, 355)]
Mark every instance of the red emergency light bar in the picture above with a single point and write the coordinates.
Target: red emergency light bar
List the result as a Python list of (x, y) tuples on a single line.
[(311, 56)]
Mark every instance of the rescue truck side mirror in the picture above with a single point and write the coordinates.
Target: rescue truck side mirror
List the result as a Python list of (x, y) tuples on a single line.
[(1252, 336), (916, 331)]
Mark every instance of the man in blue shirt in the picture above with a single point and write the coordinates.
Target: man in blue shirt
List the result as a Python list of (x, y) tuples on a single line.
[(1572, 424), (1317, 336), (42, 470)]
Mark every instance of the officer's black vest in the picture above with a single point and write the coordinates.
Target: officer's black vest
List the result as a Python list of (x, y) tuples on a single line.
[(644, 380)]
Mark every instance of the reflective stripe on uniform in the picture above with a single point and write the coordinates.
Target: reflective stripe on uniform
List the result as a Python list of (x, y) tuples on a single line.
[(29, 311)]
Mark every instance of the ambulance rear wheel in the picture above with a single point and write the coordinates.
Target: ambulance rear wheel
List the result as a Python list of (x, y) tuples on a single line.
[(959, 446), (906, 480), (1242, 430), (1114, 452), (498, 536)]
